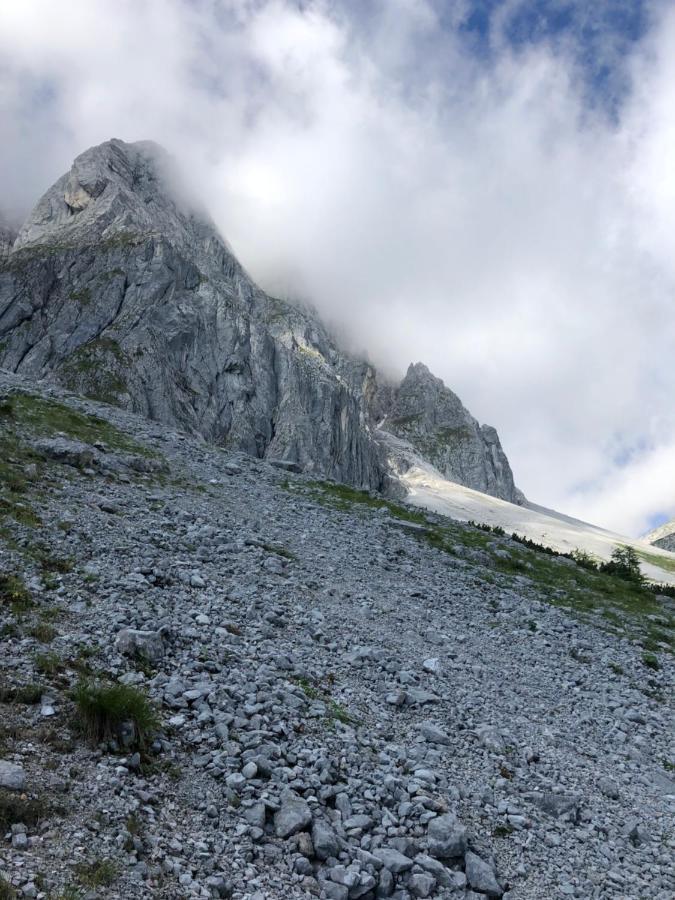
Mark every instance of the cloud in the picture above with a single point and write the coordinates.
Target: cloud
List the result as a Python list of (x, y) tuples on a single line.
[(474, 211)]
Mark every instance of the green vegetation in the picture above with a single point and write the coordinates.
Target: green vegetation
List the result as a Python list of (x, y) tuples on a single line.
[(28, 694), (48, 663), (335, 711), (62, 565), (650, 661), (83, 296), (279, 550), (15, 808), (43, 632), (99, 873), (609, 592), (7, 892), (48, 417), (104, 709), (14, 592)]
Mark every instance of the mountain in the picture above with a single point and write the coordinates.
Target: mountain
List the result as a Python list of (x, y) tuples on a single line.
[(663, 537), (120, 287), (432, 419)]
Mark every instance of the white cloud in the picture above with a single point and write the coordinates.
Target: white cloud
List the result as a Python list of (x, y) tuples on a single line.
[(476, 216)]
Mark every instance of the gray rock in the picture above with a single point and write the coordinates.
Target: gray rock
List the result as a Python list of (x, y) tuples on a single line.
[(324, 839), (421, 884), (446, 837), (432, 419), (481, 876), (293, 815), (147, 645), (12, 777), (393, 860)]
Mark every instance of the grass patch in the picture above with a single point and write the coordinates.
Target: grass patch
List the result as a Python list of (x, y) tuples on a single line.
[(7, 892), (48, 663), (43, 632), (28, 694), (279, 550), (651, 661), (662, 562), (14, 593), (15, 808), (61, 565), (99, 873), (105, 709), (48, 417)]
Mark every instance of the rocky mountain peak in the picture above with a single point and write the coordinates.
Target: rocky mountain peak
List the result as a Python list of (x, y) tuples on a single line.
[(432, 418), (115, 189), (121, 288)]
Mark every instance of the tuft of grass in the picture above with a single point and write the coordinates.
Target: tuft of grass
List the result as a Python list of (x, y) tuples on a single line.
[(43, 632), (62, 565), (651, 661), (99, 873), (48, 663), (15, 808), (279, 550), (7, 892), (27, 694), (15, 593), (104, 709), (616, 668)]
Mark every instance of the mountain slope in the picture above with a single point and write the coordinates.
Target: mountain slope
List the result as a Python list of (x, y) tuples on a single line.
[(354, 699), (663, 537), (122, 290)]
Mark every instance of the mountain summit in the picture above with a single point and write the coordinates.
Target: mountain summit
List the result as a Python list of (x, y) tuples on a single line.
[(120, 287)]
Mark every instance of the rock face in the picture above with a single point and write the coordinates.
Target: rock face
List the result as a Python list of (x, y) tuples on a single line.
[(122, 290), (427, 414), (663, 537)]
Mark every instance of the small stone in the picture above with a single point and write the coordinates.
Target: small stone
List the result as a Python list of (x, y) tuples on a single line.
[(432, 665), (393, 860)]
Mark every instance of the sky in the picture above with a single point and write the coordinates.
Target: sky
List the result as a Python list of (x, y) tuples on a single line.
[(486, 186)]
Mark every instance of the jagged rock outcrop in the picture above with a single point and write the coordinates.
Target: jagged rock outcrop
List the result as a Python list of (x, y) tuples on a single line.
[(663, 537), (120, 287), (427, 414), (125, 293)]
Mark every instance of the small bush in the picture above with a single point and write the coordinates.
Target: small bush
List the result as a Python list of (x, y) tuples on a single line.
[(62, 565), (14, 592), (48, 663), (100, 873), (29, 694), (14, 809), (43, 632), (7, 892), (650, 661), (625, 563), (105, 709)]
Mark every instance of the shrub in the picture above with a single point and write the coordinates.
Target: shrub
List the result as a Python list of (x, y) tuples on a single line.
[(105, 709), (650, 660), (625, 563)]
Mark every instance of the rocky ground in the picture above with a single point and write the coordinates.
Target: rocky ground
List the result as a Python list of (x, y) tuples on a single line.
[(353, 700)]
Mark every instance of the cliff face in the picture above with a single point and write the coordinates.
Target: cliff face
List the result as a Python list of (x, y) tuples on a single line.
[(123, 290), (120, 290), (427, 414)]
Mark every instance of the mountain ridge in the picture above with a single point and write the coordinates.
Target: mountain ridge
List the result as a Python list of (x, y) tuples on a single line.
[(120, 286)]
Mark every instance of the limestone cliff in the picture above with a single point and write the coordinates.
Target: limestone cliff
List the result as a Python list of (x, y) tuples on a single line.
[(120, 287)]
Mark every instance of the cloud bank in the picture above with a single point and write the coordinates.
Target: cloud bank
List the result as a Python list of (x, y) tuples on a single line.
[(481, 212)]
